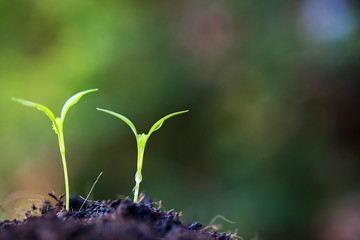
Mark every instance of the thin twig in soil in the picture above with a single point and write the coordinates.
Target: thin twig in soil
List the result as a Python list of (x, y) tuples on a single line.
[(222, 217), (97, 179)]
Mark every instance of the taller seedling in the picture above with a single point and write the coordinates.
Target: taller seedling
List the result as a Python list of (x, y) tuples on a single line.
[(141, 140), (57, 124)]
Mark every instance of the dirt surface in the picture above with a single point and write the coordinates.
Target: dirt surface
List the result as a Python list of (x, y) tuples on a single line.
[(119, 219)]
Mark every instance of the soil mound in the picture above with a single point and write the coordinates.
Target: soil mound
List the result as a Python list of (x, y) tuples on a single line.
[(119, 219)]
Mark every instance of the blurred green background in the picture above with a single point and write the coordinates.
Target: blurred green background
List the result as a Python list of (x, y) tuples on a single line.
[(272, 138)]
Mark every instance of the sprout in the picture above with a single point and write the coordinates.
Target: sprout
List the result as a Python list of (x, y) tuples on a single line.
[(58, 128), (141, 140)]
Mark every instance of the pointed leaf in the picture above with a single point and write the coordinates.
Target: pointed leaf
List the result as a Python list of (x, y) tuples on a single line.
[(40, 107), (159, 123), (71, 101), (125, 119)]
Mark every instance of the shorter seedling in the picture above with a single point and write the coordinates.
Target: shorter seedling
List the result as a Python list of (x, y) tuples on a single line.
[(141, 140), (58, 124)]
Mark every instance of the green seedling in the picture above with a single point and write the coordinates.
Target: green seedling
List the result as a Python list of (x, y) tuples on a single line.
[(141, 140), (57, 124)]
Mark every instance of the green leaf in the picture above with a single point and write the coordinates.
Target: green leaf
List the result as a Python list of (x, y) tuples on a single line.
[(71, 101), (159, 123), (40, 107), (125, 119)]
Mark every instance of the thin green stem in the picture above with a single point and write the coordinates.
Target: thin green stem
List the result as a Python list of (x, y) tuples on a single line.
[(136, 193), (62, 151), (138, 176)]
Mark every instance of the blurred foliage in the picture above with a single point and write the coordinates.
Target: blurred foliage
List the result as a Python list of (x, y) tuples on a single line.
[(271, 139)]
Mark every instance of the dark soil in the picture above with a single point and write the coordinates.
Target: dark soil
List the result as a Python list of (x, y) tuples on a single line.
[(119, 219)]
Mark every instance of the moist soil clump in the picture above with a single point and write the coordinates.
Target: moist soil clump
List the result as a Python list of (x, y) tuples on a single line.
[(119, 219)]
